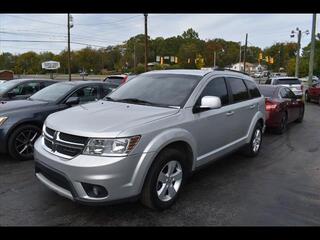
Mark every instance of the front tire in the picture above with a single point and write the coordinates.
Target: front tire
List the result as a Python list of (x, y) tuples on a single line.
[(21, 141), (164, 180), (252, 149)]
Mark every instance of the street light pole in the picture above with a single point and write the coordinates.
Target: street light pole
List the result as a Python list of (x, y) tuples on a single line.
[(214, 58), (244, 54), (313, 36), (298, 54)]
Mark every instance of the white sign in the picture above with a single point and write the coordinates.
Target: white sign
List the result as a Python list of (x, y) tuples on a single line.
[(50, 65)]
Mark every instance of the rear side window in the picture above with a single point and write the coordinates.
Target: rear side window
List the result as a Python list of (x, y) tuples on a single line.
[(253, 89), (268, 81), (238, 89), (216, 87), (287, 81)]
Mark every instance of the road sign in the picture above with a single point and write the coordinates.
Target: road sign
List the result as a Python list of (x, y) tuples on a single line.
[(50, 65)]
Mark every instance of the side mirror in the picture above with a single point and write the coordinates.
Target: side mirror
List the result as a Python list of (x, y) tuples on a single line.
[(73, 101), (11, 94), (207, 103)]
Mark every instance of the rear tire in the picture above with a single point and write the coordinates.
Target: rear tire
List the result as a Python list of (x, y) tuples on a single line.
[(252, 149), (307, 97), (158, 180), (21, 141), (283, 125), (301, 115)]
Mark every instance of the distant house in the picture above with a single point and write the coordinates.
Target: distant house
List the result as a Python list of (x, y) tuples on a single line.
[(250, 67), (6, 75)]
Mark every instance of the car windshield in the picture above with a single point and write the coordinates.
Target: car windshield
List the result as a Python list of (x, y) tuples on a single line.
[(287, 81), (168, 90), (52, 93), (6, 86)]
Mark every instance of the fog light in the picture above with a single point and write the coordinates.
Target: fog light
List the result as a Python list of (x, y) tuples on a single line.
[(95, 191)]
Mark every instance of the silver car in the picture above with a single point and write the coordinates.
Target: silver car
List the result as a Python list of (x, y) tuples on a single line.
[(145, 138), (293, 83)]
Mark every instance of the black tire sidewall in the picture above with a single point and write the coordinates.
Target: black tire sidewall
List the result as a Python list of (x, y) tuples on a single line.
[(163, 158), (11, 142)]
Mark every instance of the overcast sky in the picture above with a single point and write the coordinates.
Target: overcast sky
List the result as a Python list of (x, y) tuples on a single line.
[(110, 29)]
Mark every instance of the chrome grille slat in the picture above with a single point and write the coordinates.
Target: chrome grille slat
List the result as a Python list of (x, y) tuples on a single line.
[(67, 149)]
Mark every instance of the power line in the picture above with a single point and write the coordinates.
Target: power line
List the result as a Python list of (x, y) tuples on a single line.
[(103, 23), (34, 20)]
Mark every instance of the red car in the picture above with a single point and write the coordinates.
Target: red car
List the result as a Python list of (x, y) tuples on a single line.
[(313, 93), (282, 107)]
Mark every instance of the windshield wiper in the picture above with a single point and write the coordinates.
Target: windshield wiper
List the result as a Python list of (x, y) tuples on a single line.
[(135, 100)]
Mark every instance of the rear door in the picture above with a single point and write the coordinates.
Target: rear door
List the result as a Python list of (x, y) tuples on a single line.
[(289, 106), (243, 108), (314, 91)]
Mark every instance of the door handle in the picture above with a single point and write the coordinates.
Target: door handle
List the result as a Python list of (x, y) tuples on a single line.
[(230, 113), (252, 106)]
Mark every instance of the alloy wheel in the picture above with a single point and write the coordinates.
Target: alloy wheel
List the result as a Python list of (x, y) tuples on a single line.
[(25, 140), (256, 140), (169, 181)]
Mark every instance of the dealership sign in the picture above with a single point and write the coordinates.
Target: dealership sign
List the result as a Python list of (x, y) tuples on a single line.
[(50, 65)]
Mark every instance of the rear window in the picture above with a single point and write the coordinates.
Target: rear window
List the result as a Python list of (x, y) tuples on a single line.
[(238, 89), (287, 81), (253, 89), (114, 80)]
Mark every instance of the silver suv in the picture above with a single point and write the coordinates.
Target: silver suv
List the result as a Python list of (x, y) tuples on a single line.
[(148, 136)]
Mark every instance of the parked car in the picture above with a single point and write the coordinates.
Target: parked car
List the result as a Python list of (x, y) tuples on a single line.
[(313, 92), (22, 88), (145, 138), (21, 120), (291, 82), (282, 107), (116, 79)]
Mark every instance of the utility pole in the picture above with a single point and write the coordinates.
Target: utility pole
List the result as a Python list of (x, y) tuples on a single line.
[(214, 58), (313, 36), (134, 56), (298, 54), (240, 52), (244, 54), (69, 60), (298, 49), (146, 42)]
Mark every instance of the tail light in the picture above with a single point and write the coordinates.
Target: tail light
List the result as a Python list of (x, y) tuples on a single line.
[(124, 80), (270, 105)]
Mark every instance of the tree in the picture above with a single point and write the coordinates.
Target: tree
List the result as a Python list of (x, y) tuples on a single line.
[(190, 34)]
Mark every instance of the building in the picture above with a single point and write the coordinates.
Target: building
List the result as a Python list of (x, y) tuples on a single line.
[(6, 75)]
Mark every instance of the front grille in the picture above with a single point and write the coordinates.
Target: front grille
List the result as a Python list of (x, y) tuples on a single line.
[(63, 144), (69, 151), (50, 131), (53, 176), (72, 138)]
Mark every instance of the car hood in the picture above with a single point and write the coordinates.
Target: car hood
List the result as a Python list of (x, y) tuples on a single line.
[(105, 118), (18, 105)]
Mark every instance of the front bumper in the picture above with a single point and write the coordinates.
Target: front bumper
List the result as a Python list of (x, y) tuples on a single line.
[(118, 175)]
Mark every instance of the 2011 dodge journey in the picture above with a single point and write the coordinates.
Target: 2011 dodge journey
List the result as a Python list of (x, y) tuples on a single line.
[(144, 139)]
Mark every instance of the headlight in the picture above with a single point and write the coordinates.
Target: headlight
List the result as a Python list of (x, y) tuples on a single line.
[(111, 147), (2, 120)]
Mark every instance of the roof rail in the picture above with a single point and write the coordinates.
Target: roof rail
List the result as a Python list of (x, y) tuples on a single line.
[(231, 70)]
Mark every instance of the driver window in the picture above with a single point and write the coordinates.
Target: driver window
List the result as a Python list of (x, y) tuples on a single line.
[(216, 87), (26, 88), (86, 94)]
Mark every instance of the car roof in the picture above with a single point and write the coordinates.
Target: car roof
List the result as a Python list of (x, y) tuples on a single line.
[(120, 75), (285, 77), (81, 82), (195, 72)]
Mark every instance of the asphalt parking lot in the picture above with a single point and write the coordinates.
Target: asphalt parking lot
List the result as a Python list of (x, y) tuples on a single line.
[(280, 187)]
